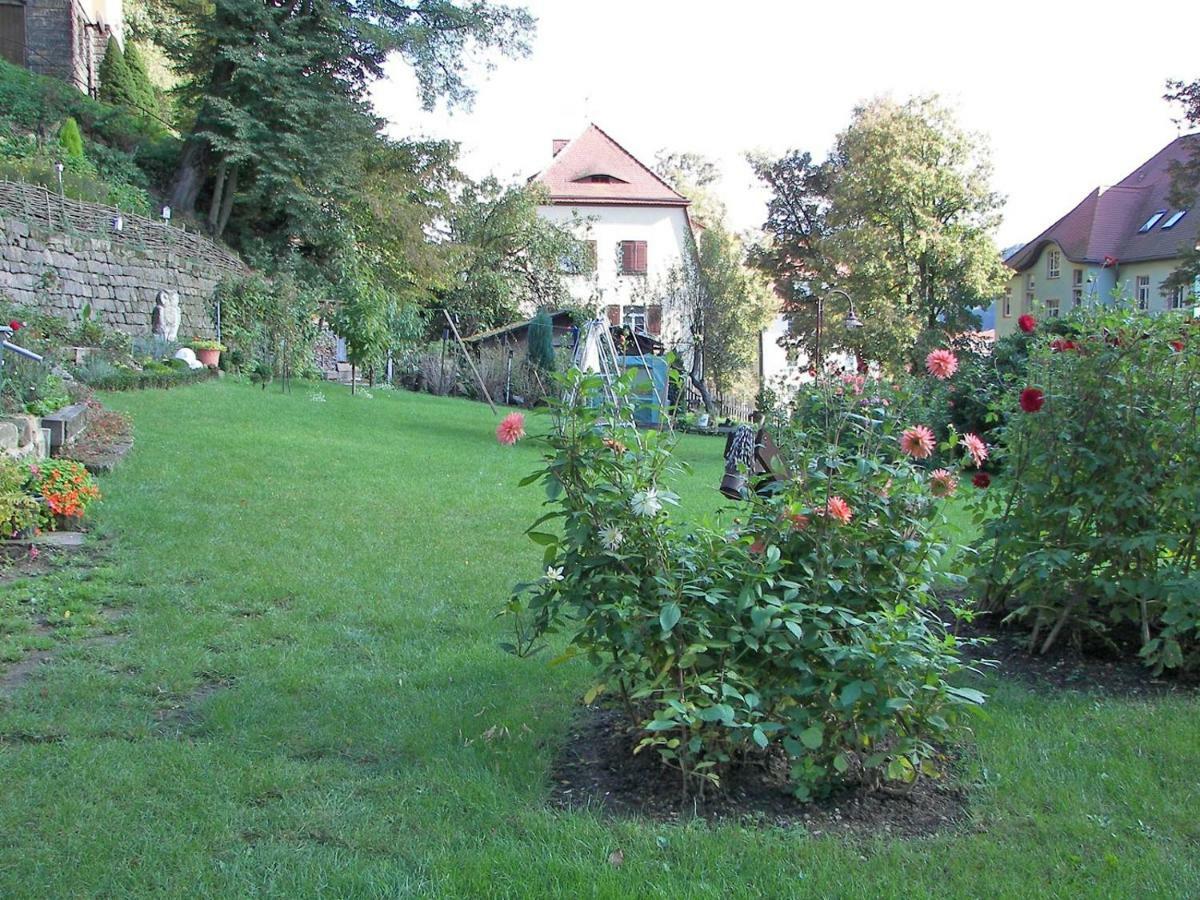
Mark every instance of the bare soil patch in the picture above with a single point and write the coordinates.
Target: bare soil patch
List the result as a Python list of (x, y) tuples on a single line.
[(1087, 665), (597, 769)]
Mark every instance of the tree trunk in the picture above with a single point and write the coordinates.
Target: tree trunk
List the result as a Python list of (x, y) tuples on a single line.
[(214, 206), (227, 202), (709, 406), (189, 176)]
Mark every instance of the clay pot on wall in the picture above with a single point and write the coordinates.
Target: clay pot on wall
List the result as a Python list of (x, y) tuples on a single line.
[(210, 358)]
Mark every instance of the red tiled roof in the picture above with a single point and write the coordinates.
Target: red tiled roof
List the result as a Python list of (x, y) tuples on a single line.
[(594, 153), (1106, 222)]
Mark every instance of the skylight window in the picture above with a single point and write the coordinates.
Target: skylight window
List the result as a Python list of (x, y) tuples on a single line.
[(1174, 220), (1152, 221)]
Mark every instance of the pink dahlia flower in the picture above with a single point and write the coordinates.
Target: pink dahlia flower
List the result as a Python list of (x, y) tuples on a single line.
[(918, 442), (941, 364), (511, 429), (976, 447), (942, 483), (839, 509)]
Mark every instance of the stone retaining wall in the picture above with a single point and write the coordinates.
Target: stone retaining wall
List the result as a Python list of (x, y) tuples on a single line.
[(60, 274)]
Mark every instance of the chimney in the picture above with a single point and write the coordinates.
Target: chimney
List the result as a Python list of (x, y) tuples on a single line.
[(557, 145)]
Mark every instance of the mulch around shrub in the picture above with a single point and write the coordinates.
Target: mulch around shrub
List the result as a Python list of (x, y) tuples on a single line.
[(1085, 666), (597, 769)]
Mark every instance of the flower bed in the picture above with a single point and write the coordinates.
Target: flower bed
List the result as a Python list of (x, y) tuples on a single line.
[(800, 634)]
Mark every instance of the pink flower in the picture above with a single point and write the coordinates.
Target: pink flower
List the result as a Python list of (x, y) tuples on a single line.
[(511, 429), (1027, 323), (941, 364), (758, 546), (918, 442), (839, 509), (942, 483), (1032, 399), (34, 552), (976, 447)]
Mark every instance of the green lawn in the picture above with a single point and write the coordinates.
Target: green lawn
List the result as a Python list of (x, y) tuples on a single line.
[(299, 705)]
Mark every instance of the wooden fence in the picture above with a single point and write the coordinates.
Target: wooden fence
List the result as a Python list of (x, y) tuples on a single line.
[(48, 211), (727, 407)]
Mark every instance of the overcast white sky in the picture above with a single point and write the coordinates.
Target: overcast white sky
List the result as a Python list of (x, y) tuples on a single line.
[(1068, 94)]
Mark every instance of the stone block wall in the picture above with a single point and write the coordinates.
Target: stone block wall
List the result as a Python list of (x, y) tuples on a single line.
[(60, 274)]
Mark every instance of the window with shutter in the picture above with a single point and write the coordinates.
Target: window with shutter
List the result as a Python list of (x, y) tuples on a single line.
[(614, 314), (654, 319), (633, 257)]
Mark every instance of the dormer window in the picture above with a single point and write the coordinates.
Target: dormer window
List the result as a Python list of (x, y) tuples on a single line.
[(1174, 220), (1152, 221), (600, 178)]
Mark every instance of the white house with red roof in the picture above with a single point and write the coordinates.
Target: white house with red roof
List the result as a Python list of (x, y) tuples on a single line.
[(637, 227)]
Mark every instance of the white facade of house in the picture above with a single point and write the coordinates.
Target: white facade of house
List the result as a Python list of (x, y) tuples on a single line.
[(667, 234)]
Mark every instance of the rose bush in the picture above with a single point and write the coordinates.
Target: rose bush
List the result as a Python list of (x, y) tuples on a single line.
[(802, 632)]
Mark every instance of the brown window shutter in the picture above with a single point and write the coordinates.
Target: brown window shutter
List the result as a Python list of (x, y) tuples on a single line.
[(614, 314), (628, 257), (639, 257), (654, 319)]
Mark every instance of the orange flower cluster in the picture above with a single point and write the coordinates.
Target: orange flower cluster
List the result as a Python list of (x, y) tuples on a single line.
[(69, 489)]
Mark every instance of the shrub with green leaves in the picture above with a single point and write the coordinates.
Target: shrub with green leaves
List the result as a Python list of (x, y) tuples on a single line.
[(801, 633), (1096, 529), (70, 141)]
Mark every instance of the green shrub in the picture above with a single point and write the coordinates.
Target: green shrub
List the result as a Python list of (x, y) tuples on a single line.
[(801, 633), (18, 508), (132, 380), (116, 81), (1096, 529), (540, 337), (70, 140)]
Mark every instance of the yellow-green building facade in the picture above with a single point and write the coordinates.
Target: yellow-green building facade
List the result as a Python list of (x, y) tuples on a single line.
[(1119, 242)]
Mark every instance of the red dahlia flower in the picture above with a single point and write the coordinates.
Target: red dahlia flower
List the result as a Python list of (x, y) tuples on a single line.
[(981, 480), (1032, 399), (1027, 323)]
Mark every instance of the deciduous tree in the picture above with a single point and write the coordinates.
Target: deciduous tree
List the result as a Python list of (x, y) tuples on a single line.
[(900, 216)]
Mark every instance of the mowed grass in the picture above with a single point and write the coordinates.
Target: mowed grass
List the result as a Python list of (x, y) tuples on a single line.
[(309, 700)]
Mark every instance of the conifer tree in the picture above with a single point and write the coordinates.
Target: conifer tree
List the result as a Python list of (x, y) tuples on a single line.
[(115, 78), (70, 139), (141, 89)]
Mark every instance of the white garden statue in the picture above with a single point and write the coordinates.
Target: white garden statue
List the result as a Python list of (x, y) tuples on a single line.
[(164, 321)]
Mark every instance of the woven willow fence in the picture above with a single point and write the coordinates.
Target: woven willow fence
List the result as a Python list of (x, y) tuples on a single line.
[(47, 211)]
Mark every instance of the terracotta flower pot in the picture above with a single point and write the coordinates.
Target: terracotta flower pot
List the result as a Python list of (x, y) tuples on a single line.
[(209, 358)]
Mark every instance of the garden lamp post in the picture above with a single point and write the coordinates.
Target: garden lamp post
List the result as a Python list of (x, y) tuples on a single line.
[(852, 322), (58, 169)]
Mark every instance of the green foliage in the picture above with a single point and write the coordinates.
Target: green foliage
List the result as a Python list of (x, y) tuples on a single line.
[(804, 632), (47, 396), (541, 341), (900, 216), (70, 140), (106, 377), (1096, 530), (18, 508), (267, 321), (141, 91), (115, 77), (509, 256)]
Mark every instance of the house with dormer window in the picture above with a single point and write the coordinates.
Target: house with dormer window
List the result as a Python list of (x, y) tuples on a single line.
[(636, 226), (1123, 240)]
